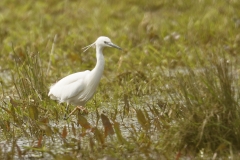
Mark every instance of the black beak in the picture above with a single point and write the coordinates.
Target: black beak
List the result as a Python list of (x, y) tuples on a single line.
[(113, 45)]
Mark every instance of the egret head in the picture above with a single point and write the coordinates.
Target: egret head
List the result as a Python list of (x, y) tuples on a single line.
[(102, 42)]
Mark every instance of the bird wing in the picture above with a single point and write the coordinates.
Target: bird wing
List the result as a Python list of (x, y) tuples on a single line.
[(71, 78), (68, 87)]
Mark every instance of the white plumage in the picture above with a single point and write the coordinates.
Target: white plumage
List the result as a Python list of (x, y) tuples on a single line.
[(78, 88)]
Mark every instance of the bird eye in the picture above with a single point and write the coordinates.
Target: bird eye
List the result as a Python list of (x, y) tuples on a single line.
[(105, 42)]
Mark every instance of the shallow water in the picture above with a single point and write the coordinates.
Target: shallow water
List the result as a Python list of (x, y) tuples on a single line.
[(57, 145)]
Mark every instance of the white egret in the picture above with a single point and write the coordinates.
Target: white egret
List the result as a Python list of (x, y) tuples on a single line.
[(78, 88)]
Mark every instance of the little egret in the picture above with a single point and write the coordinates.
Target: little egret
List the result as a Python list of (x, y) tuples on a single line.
[(78, 88)]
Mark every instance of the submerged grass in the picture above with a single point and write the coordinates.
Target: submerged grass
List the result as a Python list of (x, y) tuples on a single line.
[(173, 93)]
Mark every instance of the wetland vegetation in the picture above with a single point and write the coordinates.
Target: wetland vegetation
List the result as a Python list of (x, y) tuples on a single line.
[(172, 93)]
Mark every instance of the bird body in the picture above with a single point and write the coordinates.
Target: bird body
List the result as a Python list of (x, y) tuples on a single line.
[(78, 88), (68, 87)]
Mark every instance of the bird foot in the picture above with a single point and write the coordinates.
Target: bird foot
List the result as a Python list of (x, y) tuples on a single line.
[(81, 108)]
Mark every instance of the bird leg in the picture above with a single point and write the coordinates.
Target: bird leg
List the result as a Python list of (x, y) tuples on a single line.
[(66, 111), (81, 108)]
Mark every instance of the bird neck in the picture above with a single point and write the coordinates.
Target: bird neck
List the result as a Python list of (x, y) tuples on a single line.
[(98, 69)]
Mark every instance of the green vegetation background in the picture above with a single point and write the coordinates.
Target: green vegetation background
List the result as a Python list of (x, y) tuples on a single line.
[(176, 78)]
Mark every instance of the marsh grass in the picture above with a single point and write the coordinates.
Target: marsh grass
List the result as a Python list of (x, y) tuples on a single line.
[(173, 93), (209, 110), (30, 79), (200, 115)]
